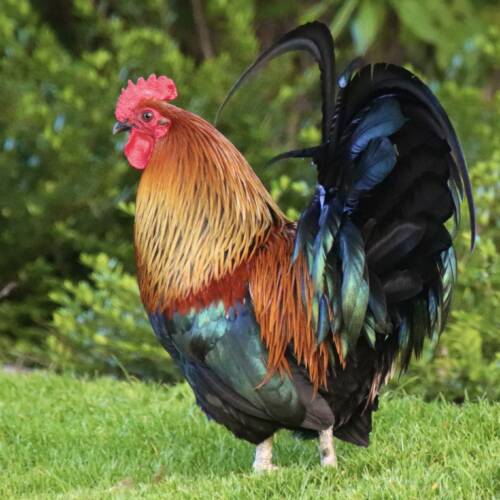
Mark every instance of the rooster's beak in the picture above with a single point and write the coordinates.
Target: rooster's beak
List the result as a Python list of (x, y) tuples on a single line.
[(120, 127)]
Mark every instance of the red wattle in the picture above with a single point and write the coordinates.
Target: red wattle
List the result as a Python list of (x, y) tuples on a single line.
[(139, 148)]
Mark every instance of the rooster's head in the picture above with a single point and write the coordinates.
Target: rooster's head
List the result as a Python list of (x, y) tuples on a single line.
[(142, 111)]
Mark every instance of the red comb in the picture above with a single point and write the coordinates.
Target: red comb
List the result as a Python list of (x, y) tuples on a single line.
[(160, 88)]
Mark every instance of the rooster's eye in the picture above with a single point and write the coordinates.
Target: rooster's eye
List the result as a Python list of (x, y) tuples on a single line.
[(147, 116)]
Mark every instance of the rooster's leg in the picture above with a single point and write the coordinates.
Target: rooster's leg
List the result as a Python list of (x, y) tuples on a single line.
[(326, 448), (264, 456)]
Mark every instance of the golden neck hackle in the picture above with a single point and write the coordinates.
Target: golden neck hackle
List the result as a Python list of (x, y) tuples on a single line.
[(201, 212)]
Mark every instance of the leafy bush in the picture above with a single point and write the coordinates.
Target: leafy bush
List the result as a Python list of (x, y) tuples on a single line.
[(100, 326), (66, 190)]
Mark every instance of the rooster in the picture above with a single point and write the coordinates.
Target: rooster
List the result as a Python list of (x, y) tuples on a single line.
[(277, 324)]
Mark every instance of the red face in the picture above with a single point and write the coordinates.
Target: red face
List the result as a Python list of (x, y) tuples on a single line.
[(145, 123), (146, 126)]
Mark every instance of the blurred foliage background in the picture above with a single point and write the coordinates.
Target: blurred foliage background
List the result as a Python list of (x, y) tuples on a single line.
[(68, 296)]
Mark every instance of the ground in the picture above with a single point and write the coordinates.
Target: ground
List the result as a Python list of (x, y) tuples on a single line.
[(61, 437)]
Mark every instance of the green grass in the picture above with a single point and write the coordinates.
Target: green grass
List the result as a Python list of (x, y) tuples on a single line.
[(66, 438)]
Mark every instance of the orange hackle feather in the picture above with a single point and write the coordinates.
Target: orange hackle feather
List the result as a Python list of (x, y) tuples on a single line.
[(281, 293), (201, 211), (207, 229)]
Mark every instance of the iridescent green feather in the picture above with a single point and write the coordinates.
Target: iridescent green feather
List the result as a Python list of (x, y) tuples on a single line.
[(355, 289), (329, 224), (448, 269), (323, 326), (435, 315), (333, 281), (369, 330)]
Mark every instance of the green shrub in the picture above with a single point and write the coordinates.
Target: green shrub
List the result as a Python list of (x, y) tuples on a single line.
[(100, 326), (66, 190)]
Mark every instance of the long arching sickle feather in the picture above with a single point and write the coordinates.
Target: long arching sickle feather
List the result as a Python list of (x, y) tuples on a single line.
[(314, 38)]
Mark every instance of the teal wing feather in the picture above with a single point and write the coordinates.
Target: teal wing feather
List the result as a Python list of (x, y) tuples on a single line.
[(221, 353)]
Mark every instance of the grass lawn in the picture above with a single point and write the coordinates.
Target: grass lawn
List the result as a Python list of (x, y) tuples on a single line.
[(61, 437)]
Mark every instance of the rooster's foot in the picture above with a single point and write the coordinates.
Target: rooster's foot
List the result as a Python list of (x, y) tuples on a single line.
[(326, 448), (264, 457)]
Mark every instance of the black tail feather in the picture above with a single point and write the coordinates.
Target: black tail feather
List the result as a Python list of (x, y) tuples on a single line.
[(391, 172), (314, 38), (417, 101)]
